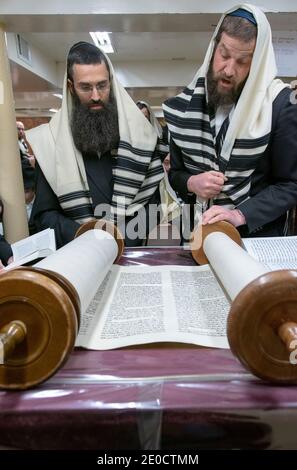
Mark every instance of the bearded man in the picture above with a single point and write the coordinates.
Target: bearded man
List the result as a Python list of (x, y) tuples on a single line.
[(97, 151), (233, 131)]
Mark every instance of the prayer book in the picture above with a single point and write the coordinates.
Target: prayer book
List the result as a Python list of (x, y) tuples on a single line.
[(36, 246), (274, 252)]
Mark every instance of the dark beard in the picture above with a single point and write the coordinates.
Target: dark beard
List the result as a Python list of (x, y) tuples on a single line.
[(95, 131), (215, 98)]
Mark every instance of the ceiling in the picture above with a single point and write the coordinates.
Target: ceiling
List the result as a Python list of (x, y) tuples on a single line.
[(128, 46), (175, 38)]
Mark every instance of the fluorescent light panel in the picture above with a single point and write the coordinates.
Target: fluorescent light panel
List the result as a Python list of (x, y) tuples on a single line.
[(102, 40)]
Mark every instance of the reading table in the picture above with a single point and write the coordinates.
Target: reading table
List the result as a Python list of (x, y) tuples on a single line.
[(151, 397)]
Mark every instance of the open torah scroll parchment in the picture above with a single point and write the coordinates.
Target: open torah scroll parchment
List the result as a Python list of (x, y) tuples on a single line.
[(84, 262), (124, 306), (274, 252)]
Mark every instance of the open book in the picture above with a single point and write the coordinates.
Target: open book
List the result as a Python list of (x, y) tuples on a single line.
[(136, 305), (37, 246), (274, 252), (129, 305)]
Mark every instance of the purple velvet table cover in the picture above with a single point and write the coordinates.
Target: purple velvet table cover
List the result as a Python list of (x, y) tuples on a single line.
[(151, 398)]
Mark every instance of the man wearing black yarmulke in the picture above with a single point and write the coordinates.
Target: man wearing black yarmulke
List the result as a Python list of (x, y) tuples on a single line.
[(233, 131)]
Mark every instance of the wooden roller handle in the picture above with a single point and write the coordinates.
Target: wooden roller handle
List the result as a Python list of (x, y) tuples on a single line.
[(106, 226), (288, 333), (11, 334)]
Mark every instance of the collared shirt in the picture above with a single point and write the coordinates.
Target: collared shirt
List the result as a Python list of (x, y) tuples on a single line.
[(29, 208)]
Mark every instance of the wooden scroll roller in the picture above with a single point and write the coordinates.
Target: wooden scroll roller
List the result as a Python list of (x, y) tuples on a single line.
[(40, 305), (262, 323)]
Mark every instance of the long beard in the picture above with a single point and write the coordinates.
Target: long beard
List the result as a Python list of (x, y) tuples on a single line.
[(215, 97), (95, 131)]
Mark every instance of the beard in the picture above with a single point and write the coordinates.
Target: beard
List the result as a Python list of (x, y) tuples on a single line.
[(95, 131), (217, 98)]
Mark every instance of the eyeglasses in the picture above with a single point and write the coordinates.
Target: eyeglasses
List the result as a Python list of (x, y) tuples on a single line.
[(87, 88)]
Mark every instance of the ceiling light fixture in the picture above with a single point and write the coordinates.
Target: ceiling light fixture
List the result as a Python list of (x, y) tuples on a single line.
[(102, 40)]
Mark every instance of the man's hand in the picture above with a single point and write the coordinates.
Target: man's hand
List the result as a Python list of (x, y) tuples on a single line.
[(218, 213), (206, 185), (1, 266)]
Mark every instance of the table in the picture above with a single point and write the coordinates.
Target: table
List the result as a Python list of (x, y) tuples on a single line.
[(151, 398)]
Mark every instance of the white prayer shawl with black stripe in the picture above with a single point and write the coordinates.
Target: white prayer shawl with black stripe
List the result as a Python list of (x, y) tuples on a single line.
[(193, 130), (153, 120), (163, 146), (137, 170)]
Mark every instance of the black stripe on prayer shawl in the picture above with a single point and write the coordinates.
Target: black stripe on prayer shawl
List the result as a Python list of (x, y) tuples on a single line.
[(244, 162), (129, 164), (230, 202), (133, 168), (124, 181), (238, 181), (238, 187), (204, 161), (161, 150), (129, 198), (74, 195), (132, 183), (252, 143), (134, 150), (194, 124), (189, 90), (197, 103), (139, 199), (221, 136), (79, 212), (195, 139), (129, 181), (223, 201), (162, 146), (196, 148)]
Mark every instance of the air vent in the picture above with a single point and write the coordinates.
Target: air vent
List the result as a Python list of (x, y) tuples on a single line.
[(23, 49)]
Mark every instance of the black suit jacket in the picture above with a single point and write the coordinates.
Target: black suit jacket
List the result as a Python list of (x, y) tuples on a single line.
[(47, 211), (274, 182), (5, 250)]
